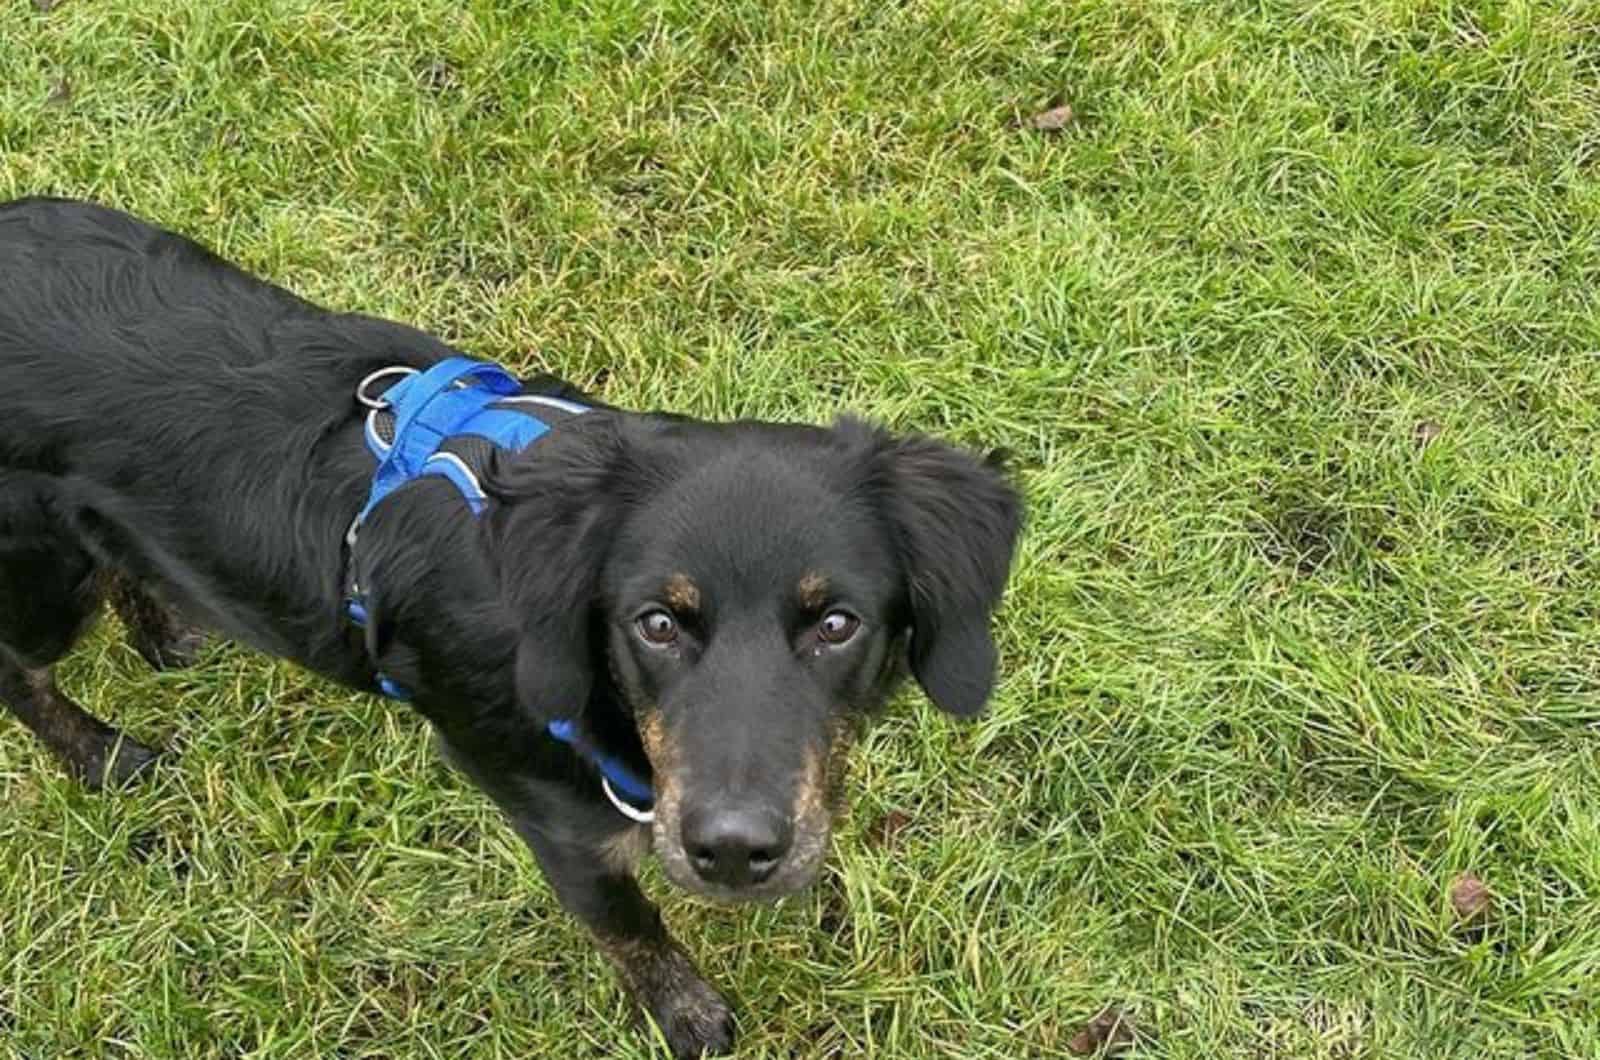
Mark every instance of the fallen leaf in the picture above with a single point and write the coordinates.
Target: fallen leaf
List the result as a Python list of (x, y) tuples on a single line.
[(889, 827), (1053, 120), (1112, 1031), (1470, 897), (60, 93), (439, 76), (1426, 433)]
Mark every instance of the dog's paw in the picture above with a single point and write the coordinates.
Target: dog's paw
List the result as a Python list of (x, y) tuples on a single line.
[(693, 1018), (115, 761), (179, 649), (687, 1013)]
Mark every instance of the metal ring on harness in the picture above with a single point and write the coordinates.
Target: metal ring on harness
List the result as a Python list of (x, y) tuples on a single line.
[(381, 373), (632, 813)]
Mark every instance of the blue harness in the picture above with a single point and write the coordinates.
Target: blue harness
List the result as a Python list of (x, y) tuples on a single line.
[(446, 422)]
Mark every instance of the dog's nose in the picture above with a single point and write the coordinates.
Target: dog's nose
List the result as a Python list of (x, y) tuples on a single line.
[(735, 847)]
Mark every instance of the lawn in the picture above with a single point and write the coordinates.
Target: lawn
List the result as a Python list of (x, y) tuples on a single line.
[(1290, 328)]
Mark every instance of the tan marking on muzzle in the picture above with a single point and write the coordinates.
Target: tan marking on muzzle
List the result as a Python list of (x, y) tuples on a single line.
[(657, 748), (832, 767), (663, 756), (811, 796), (816, 802), (681, 593)]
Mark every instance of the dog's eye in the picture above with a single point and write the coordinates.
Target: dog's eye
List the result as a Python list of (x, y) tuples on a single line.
[(658, 627), (837, 627)]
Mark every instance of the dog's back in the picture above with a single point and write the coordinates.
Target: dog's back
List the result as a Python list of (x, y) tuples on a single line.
[(106, 319), (143, 381), (99, 314), (81, 279)]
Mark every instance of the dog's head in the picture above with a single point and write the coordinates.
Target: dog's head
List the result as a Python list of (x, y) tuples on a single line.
[(743, 594)]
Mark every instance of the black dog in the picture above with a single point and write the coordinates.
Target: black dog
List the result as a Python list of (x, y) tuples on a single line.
[(716, 604)]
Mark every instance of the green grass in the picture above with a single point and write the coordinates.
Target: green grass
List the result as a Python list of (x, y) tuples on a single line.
[(1293, 334)]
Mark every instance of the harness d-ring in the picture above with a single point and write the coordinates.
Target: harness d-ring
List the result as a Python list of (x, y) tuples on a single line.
[(381, 373), (632, 813)]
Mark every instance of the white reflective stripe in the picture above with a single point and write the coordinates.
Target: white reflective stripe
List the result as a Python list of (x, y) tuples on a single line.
[(541, 399), (465, 470), (632, 813)]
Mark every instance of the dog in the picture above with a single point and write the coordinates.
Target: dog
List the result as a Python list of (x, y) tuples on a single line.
[(709, 610)]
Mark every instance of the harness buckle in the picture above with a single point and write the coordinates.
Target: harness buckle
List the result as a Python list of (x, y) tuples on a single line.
[(627, 809), (373, 377)]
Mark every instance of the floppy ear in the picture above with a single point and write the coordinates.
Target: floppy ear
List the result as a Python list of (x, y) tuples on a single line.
[(955, 521), (556, 514)]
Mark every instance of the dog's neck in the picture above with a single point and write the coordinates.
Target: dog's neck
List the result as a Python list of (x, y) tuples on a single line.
[(449, 423)]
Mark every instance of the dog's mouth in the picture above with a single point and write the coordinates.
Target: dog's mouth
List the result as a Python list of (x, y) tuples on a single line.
[(798, 870), (782, 860)]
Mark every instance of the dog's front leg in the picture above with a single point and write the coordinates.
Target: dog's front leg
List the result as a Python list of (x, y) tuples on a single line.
[(595, 884), (588, 854)]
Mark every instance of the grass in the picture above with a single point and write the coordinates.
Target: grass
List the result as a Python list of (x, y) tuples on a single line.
[(1292, 331)]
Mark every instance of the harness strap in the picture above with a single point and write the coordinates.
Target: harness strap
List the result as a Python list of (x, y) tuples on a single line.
[(430, 407), (636, 796), (445, 422)]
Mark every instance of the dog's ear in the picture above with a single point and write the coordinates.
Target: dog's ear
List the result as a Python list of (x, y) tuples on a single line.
[(955, 521), (558, 506)]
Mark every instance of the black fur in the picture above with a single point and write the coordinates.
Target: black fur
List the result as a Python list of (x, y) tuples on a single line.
[(182, 437)]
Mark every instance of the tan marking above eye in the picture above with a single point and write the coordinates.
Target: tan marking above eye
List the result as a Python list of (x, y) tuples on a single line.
[(681, 593), (812, 591)]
